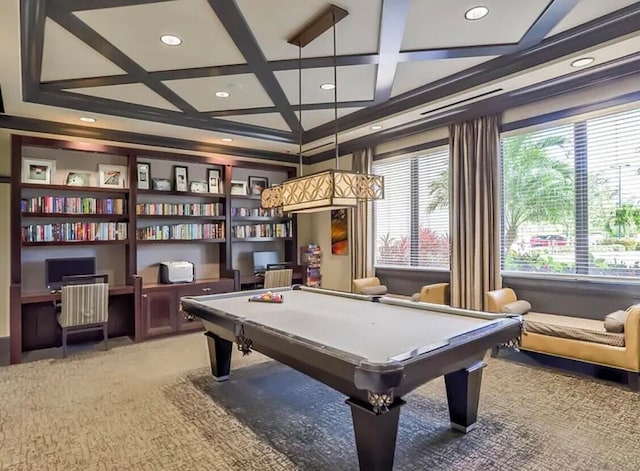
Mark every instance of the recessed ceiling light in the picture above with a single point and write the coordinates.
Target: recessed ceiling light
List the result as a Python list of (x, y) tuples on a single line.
[(170, 40), (223, 94), (376, 127), (582, 62), (476, 13), (88, 119), (227, 139), (327, 86)]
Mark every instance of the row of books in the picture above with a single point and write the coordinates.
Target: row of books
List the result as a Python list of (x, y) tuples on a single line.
[(72, 205), (181, 232), (72, 231), (180, 209), (262, 230), (257, 212)]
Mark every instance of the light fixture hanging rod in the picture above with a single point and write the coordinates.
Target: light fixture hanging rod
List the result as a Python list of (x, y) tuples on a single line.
[(318, 25)]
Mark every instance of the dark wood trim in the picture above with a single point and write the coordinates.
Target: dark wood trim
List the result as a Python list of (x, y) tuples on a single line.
[(5, 179), (14, 208), (15, 323), (411, 149), (305, 107), (5, 351), (457, 52), (91, 38), (550, 17), (392, 23), (83, 5), (33, 14), (238, 29), (74, 131)]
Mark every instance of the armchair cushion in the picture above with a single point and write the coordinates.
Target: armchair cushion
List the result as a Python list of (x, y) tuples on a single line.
[(374, 290), (614, 322), (517, 307), (358, 284), (437, 293)]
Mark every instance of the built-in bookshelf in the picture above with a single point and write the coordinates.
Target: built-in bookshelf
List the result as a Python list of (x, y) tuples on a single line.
[(191, 232), (72, 205), (180, 209), (280, 230)]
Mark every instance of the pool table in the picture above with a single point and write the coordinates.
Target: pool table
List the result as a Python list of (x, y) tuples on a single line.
[(374, 350)]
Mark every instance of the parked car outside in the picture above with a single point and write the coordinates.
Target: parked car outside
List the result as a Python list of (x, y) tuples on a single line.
[(548, 240)]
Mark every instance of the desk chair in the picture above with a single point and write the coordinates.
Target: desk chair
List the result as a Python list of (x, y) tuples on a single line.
[(278, 278), (84, 307)]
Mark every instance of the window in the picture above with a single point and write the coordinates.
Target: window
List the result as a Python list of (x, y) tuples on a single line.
[(571, 198), (412, 221)]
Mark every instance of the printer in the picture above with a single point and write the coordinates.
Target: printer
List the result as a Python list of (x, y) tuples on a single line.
[(177, 272)]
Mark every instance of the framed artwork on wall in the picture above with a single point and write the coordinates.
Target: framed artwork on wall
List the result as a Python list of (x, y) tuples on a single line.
[(38, 171), (181, 178), (78, 179), (238, 187), (198, 187), (112, 176), (257, 184), (161, 184), (144, 176), (339, 232), (214, 180)]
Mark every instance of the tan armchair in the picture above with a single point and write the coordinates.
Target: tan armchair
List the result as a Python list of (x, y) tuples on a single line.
[(369, 285), (437, 293)]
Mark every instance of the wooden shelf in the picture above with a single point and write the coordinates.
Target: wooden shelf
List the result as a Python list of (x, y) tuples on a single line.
[(246, 197), (74, 189), (260, 239), (164, 216), (182, 241), (275, 219), (103, 217), (75, 242), (158, 193)]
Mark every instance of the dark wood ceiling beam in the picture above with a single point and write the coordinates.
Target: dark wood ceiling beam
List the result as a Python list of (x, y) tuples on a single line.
[(602, 30), (392, 23), (325, 61), (239, 31), (457, 52), (19, 123), (92, 104), (83, 5), (305, 107), (33, 14), (550, 17), (83, 32)]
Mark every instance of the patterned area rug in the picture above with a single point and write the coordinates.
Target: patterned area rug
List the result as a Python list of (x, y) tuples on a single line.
[(154, 406)]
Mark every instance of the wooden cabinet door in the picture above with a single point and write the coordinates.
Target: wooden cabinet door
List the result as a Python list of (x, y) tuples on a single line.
[(185, 321), (159, 308)]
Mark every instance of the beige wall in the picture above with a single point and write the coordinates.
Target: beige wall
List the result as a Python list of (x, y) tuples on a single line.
[(5, 270)]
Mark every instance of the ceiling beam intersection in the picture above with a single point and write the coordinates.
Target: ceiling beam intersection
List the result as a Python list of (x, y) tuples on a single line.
[(549, 19)]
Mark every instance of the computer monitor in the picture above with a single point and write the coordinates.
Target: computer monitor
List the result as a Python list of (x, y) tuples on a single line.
[(262, 260), (56, 268)]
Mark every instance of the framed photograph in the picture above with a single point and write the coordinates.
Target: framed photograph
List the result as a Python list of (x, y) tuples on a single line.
[(257, 184), (144, 176), (38, 171), (181, 174), (161, 184), (78, 179), (112, 176), (214, 180), (198, 187), (238, 187)]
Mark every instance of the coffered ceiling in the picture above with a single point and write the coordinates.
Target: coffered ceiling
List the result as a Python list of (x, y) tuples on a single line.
[(401, 64)]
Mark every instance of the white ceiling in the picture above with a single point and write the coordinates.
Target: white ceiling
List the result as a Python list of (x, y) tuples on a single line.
[(135, 30)]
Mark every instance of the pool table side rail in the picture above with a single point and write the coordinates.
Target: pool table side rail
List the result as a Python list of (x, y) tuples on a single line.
[(444, 308)]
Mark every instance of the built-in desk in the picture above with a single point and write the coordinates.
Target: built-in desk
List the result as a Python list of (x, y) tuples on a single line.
[(256, 281), (53, 296)]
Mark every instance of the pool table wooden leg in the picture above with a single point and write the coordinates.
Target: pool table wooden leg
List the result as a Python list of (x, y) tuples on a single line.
[(375, 435), (219, 355), (463, 394)]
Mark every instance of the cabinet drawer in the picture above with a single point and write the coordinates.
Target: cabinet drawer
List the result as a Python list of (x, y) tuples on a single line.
[(209, 287)]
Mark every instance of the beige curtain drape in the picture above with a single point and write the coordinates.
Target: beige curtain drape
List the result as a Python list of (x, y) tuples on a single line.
[(362, 223), (475, 210)]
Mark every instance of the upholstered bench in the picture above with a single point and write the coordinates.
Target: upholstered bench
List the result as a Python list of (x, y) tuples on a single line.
[(578, 338)]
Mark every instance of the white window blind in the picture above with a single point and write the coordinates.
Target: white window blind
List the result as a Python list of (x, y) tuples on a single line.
[(412, 222), (571, 198)]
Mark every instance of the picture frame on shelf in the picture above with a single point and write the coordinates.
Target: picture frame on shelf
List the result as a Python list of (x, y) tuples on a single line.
[(161, 184), (181, 176), (214, 180), (38, 171), (198, 187), (78, 179), (112, 176), (238, 187), (257, 184), (144, 175)]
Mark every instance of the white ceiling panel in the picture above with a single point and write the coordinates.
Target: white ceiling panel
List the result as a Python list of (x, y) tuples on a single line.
[(587, 10), (62, 53), (245, 92), (274, 21), (313, 118), (266, 120), (130, 93), (441, 23), (410, 75), (136, 31), (355, 82)]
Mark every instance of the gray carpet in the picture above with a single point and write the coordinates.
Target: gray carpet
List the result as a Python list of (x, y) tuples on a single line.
[(153, 406)]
